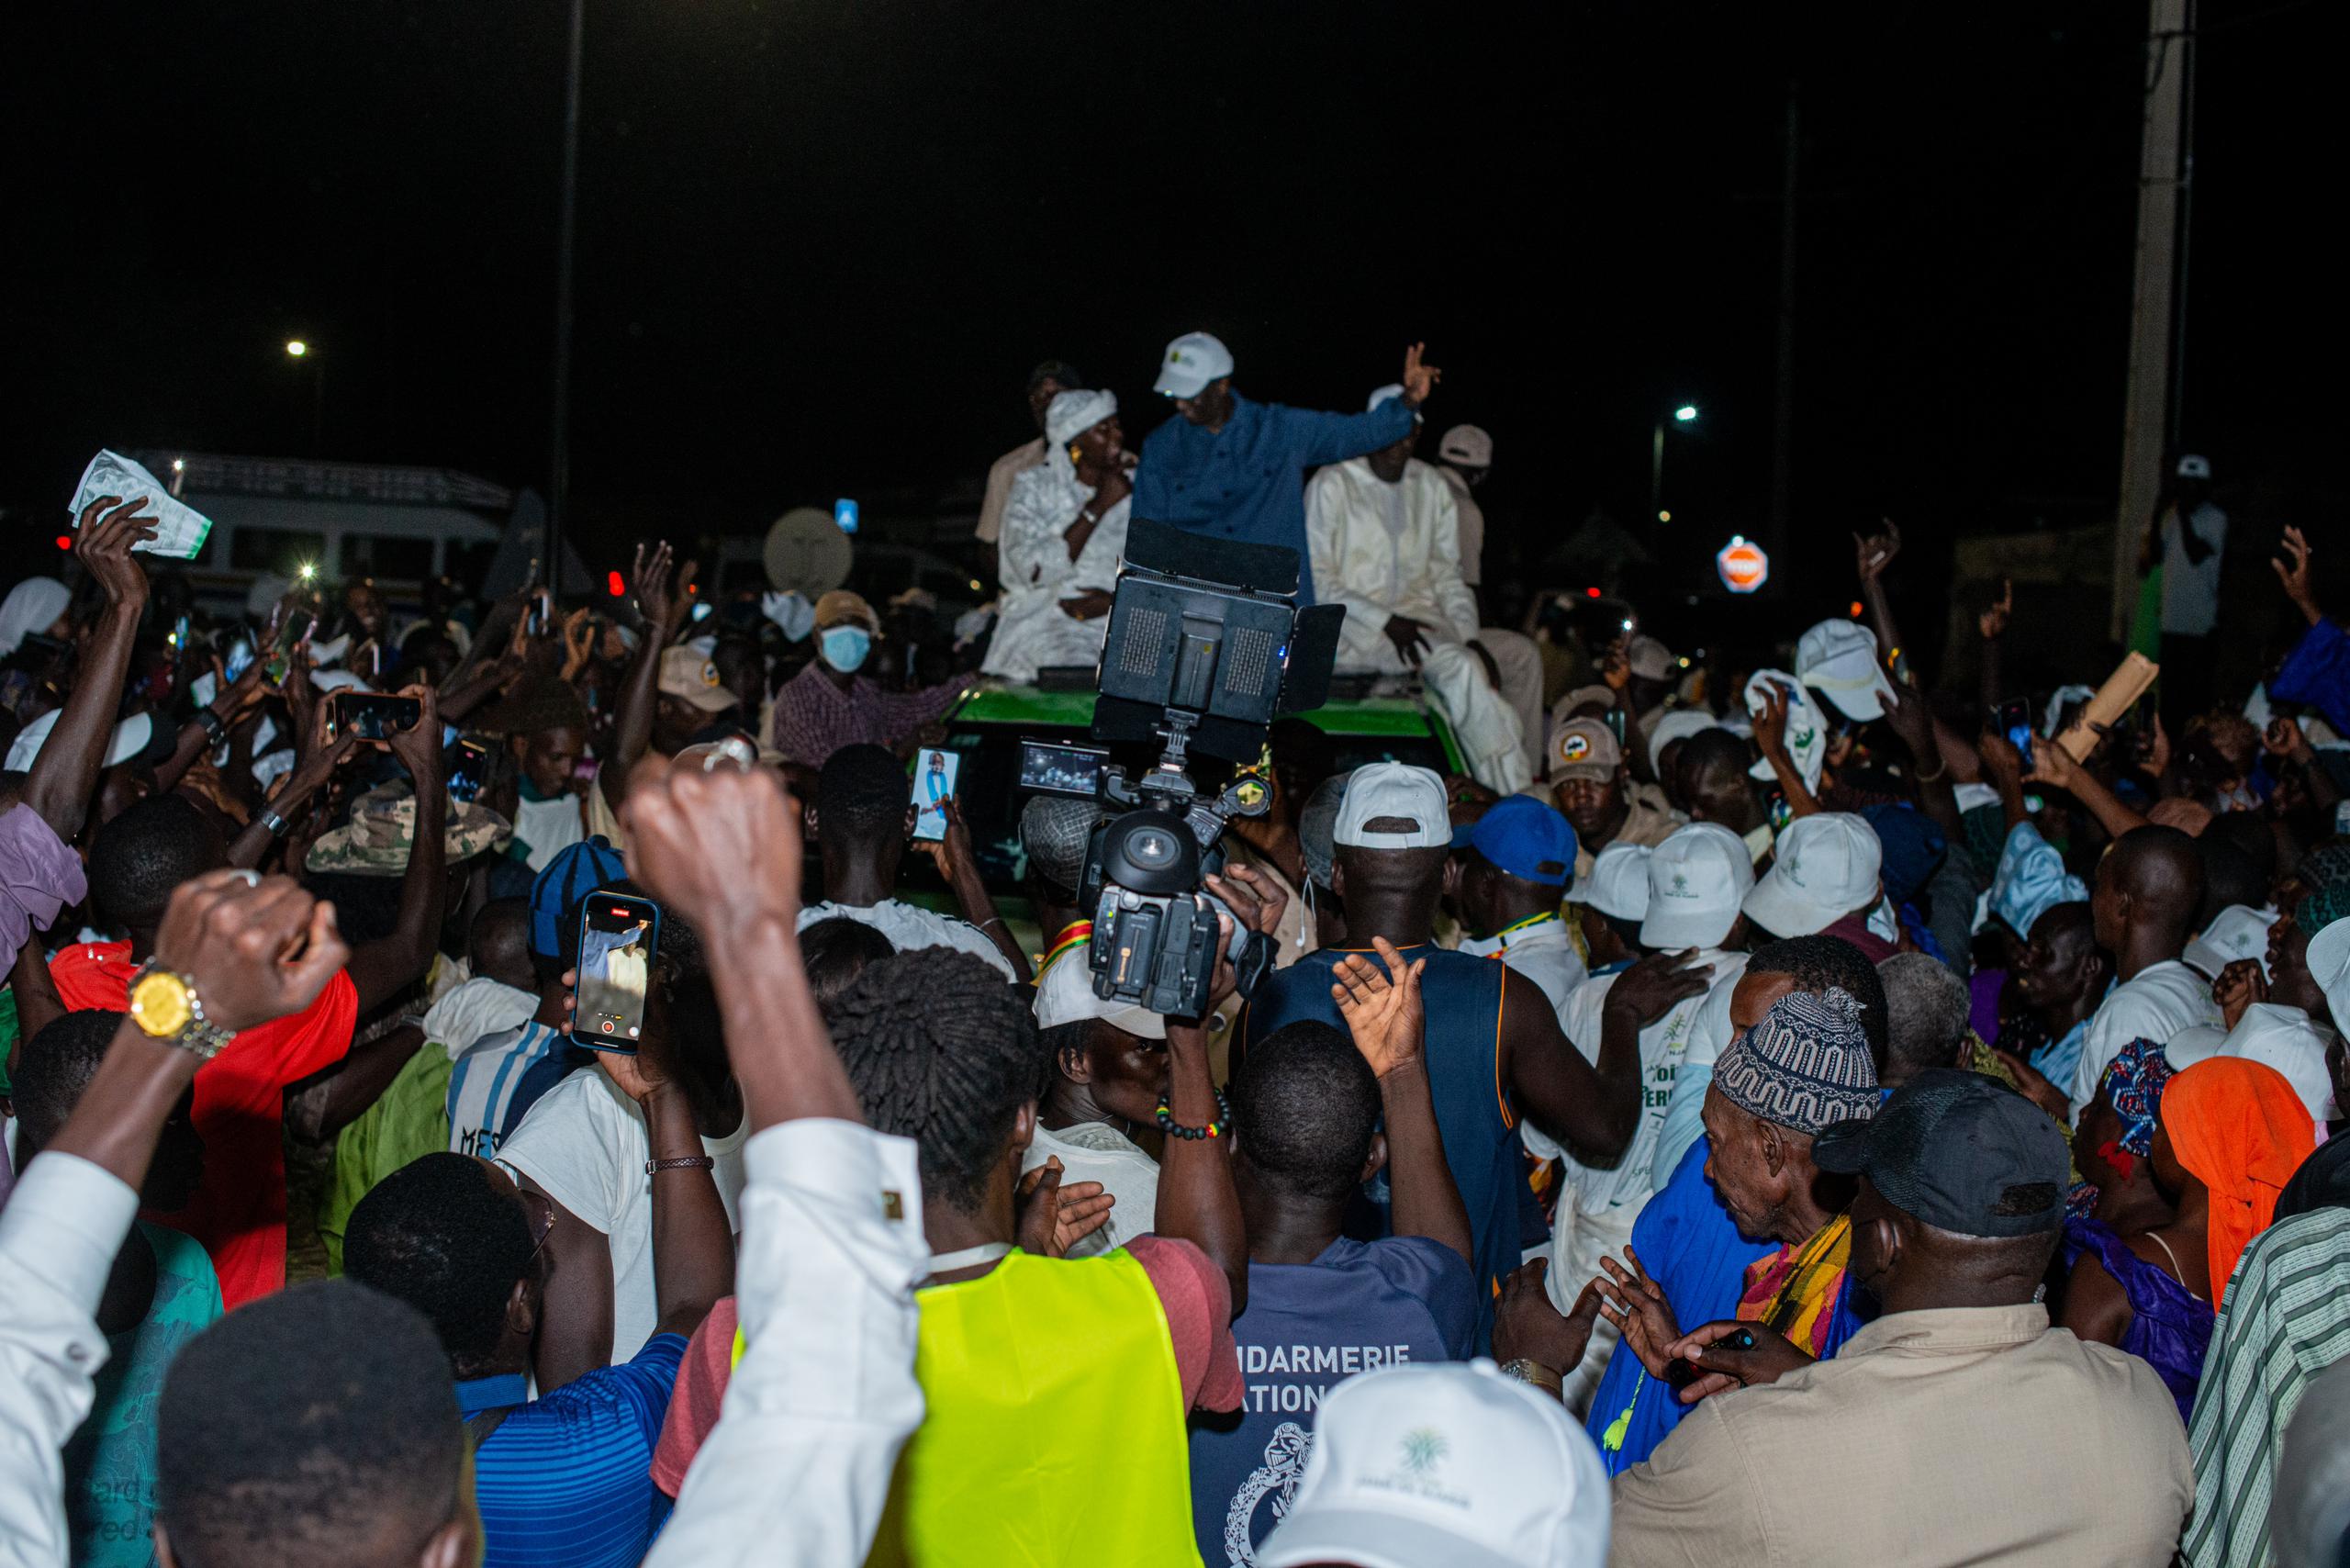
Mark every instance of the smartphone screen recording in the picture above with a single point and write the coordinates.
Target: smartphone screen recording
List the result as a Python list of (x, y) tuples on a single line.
[(617, 937), (934, 783), (370, 715), (2015, 722)]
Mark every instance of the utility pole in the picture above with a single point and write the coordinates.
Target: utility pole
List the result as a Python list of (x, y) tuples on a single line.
[(559, 442), (1783, 404), (2154, 321)]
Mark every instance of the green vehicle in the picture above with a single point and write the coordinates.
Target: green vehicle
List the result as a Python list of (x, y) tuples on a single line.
[(985, 729)]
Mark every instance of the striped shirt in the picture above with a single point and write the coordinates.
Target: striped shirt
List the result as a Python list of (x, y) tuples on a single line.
[(814, 718), (2286, 1319), (566, 1479), (484, 1083)]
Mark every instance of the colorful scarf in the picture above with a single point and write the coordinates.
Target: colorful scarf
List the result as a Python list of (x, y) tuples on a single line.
[(2133, 1084), (2240, 1130), (1796, 1289)]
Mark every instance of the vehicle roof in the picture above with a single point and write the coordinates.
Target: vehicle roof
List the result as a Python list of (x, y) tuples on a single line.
[(1351, 716)]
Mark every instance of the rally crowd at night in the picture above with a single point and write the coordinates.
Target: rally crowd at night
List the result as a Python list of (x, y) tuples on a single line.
[(1786, 1107)]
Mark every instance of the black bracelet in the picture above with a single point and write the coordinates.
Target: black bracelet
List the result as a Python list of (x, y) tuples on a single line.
[(212, 724), (1217, 1129), (274, 823)]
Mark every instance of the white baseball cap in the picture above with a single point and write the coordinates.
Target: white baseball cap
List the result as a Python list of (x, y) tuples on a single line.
[(1065, 995), (1467, 446), (1618, 883), (1453, 1464), (1838, 658), (2283, 1037), (2194, 467), (1386, 394), (1192, 360), (2329, 963), (1827, 867), (2236, 932), (129, 739), (1697, 878), (2193, 1044), (1393, 789)]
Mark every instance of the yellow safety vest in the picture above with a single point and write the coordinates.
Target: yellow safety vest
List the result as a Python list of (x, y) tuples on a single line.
[(1052, 1433)]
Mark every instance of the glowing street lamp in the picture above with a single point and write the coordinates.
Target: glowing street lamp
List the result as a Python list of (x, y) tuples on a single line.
[(1686, 414), (295, 348)]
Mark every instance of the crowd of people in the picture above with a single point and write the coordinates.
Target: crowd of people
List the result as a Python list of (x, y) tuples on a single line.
[(1724, 1061)]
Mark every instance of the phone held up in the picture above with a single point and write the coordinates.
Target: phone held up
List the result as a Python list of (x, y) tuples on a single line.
[(934, 783), (2015, 722), (370, 715), (619, 934)]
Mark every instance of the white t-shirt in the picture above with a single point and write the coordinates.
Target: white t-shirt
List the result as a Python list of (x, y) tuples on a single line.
[(909, 926), (1543, 954), (2154, 1005), (549, 827), (1092, 1151), (2191, 588), (585, 1144), (1691, 1033)]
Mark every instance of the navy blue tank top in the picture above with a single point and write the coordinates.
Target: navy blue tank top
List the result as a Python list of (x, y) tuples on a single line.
[(1463, 999)]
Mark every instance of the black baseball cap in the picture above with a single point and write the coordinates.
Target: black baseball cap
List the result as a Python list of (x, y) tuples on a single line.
[(1960, 1151)]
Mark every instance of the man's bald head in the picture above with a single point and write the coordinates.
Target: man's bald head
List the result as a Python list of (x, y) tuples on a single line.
[(2151, 882)]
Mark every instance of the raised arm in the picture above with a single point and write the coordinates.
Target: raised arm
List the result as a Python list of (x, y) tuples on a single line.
[(382, 967), (1771, 738), (655, 583), (1595, 1109), (1873, 554), (960, 866), (67, 769), (1388, 1022), (1319, 438), (2052, 765)]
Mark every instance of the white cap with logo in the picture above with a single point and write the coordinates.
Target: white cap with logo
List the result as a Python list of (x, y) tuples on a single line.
[(1192, 362), (1453, 1464), (1065, 995), (1393, 789), (1467, 446), (1826, 867), (1838, 658), (1618, 883), (1697, 878), (2236, 932)]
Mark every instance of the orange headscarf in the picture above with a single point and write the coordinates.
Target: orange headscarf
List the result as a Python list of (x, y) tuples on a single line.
[(2239, 1128)]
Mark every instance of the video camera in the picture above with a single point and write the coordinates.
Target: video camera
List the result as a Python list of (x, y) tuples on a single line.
[(1206, 647)]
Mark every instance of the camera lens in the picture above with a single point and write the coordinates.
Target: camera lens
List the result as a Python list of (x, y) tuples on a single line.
[(1152, 849)]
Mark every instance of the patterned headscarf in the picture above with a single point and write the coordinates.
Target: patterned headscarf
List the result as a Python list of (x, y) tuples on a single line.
[(1804, 1066), (2132, 1085)]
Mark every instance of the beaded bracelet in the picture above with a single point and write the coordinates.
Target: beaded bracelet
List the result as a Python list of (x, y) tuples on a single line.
[(1217, 1129)]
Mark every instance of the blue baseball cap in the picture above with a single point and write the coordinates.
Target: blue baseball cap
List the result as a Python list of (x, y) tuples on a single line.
[(1525, 837), (576, 870)]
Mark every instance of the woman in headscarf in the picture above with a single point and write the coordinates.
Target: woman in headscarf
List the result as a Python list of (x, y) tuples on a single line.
[(2121, 1284), (2233, 1134), (1064, 533)]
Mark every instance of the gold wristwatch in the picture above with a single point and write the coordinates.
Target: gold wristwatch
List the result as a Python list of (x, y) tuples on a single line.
[(164, 1006)]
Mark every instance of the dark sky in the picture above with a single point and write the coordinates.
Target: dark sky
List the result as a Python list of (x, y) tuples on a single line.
[(821, 241)]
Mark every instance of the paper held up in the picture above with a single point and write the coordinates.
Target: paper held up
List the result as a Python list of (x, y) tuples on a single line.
[(2122, 687), (180, 529)]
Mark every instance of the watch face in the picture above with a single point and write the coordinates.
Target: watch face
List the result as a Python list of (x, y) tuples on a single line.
[(159, 1005)]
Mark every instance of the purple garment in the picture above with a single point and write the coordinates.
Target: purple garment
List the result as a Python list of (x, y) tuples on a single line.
[(39, 875), (1983, 1003), (2169, 1329)]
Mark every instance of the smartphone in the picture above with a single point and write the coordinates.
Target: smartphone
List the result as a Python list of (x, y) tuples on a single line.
[(468, 768), (1062, 769), (290, 639), (370, 715), (179, 639), (934, 783), (619, 934), (1681, 1374), (240, 658), (2015, 722), (845, 515)]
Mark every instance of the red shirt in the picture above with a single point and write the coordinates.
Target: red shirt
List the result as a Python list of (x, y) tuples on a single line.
[(239, 1212)]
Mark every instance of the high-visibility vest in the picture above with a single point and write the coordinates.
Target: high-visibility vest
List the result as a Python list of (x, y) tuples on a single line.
[(1052, 1433)]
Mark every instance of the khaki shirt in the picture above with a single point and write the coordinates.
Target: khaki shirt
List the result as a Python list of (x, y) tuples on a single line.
[(1962, 1435)]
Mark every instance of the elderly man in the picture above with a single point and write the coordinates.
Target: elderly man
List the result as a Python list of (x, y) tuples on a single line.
[(1969, 1429), (1046, 381), (829, 704), (1231, 468), (1384, 534), (1593, 787)]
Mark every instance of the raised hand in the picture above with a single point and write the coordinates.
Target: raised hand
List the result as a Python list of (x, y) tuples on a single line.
[(257, 948), (417, 747), (1993, 623), (1386, 1018), (2283, 739), (723, 847), (1875, 552), (1054, 1217), (1419, 379), (653, 580), (2239, 985), (1770, 720), (2296, 577), (102, 543), (951, 851)]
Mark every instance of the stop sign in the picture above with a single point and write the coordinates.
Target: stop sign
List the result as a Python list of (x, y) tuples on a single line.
[(1742, 566)]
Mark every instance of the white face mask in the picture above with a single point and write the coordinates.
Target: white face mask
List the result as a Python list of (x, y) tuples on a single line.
[(844, 647)]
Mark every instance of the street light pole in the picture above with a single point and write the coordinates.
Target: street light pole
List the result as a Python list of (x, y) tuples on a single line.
[(559, 455), (1683, 415)]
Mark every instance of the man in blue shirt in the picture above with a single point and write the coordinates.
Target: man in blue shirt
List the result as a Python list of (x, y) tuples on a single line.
[(1231, 468), (563, 1479)]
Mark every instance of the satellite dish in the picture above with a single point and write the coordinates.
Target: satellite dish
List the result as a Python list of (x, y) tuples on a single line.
[(807, 553)]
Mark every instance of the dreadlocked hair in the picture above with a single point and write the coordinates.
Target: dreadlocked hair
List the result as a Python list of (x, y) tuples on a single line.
[(942, 1050)]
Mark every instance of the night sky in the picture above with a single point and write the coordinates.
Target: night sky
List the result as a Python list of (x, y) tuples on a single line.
[(822, 243)]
